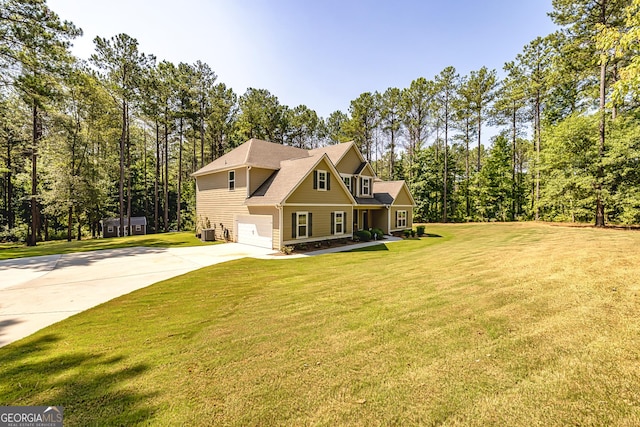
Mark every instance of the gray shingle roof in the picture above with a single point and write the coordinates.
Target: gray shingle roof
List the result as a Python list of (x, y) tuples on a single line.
[(369, 201), (257, 153), (335, 152), (115, 222), (390, 188), (279, 185)]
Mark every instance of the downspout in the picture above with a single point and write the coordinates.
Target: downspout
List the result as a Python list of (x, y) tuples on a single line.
[(280, 212), (248, 182), (388, 218)]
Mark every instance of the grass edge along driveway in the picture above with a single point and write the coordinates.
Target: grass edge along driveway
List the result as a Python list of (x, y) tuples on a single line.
[(491, 324), (164, 240)]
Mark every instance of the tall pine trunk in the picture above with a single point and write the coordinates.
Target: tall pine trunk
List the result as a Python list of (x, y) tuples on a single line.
[(8, 202), (479, 140), (37, 134), (467, 167), (156, 185), (146, 188), (446, 160), (538, 137), (123, 137), (201, 139), (600, 169), (514, 137), (166, 170), (128, 177), (179, 175)]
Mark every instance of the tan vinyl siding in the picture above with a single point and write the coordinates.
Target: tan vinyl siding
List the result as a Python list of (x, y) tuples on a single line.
[(257, 177), (349, 163), (409, 210), (305, 193), (403, 198), (321, 223), (274, 212), (380, 219), (218, 205), (367, 172)]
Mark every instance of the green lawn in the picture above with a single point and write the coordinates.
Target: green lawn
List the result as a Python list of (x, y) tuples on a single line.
[(489, 324), (19, 250)]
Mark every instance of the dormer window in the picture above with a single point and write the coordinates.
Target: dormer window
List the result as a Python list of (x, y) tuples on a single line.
[(347, 181), (365, 186), (321, 180), (232, 180)]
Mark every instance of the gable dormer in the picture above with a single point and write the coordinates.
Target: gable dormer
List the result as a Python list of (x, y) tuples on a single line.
[(363, 181)]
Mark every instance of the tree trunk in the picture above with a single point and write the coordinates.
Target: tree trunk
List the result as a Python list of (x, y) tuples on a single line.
[(36, 133), (446, 160), (538, 134), (156, 185), (467, 167), (69, 223), (128, 177), (166, 172), (391, 154), (513, 162), (201, 139), (179, 176), (146, 188), (123, 137), (479, 140), (9, 194), (600, 170)]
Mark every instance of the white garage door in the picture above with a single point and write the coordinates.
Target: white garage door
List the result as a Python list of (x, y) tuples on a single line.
[(255, 230)]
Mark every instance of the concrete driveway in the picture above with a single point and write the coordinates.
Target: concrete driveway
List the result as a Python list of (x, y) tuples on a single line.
[(39, 291)]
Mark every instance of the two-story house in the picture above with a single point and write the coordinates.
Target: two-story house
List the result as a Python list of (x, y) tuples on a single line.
[(272, 195)]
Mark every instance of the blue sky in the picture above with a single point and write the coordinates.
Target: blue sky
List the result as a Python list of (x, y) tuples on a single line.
[(319, 53)]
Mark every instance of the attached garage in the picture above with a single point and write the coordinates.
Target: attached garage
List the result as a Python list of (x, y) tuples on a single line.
[(255, 230)]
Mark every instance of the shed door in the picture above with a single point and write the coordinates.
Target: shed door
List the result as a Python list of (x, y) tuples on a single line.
[(255, 230)]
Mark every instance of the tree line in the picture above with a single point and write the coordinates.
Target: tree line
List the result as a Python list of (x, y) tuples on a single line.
[(119, 134)]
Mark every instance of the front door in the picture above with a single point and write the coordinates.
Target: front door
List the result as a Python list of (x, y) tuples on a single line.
[(365, 220)]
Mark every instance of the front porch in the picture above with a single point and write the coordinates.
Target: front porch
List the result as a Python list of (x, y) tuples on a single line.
[(371, 217)]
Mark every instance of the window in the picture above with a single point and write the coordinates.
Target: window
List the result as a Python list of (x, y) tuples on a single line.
[(138, 228), (110, 229), (347, 182), (322, 180), (401, 219), (337, 222), (301, 225), (365, 189), (232, 180)]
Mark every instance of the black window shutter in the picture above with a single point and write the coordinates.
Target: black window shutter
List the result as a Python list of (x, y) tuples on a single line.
[(344, 222), (333, 223), (315, 180), (396, 219), (354, 180), (361, 179), (309, 225), (328, 181), (293, 226)]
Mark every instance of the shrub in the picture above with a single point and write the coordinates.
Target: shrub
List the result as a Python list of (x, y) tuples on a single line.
[(377, 233), (407, 233), (363, 235), (413, 232), (420, 230), (287, 250), (16, 234)]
